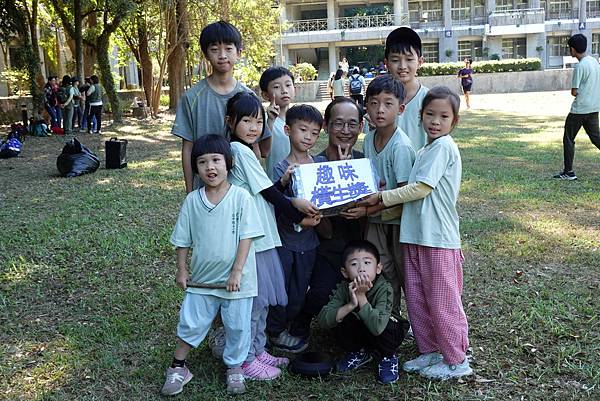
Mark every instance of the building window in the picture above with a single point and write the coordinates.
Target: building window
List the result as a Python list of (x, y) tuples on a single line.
[(472, 49), (596, 43), (556, 9), (514, 48), (425, 10), (593, 8), (431, 52), (557, 46)]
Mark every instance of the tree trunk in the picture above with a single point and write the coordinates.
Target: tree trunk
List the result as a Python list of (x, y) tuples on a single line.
[(33, 67), (144, 58), (89, 52), (78, 39), (178, 41), (102, 46)]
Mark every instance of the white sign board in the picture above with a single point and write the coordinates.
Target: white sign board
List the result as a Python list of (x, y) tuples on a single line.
[(332, 184)]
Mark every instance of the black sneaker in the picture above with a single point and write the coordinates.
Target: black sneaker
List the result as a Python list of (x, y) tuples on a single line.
[(566, 175), (353, 360)]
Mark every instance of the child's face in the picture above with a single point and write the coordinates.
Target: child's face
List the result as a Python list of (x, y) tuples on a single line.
[(361, 263), (343, 126), (303, 134), (222, 56), (438, 119), (212, 169), (383, 109), (249, 129), (402, 66), (280, 91)]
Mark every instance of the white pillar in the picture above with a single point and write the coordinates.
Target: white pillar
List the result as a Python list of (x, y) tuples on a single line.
[(333, 62), (330, 15), (397, 12)]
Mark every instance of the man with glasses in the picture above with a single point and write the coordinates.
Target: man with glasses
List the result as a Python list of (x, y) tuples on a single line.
[(343, 123)]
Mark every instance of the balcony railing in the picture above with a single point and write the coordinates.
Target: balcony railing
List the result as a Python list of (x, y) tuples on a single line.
[(344, 23), (468, 16), (425, 18), (593, 10), (517, 17)]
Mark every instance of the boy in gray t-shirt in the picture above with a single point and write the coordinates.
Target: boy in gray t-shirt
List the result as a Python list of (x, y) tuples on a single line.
[(201, 109)]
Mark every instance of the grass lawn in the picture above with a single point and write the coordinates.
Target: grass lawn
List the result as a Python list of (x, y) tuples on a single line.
[(88, 305)]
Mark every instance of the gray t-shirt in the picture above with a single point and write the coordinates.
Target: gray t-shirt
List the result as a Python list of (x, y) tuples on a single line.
[(302, 241), (201, 111)]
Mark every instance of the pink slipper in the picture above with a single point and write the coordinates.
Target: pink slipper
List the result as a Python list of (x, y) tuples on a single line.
[(256, 370)]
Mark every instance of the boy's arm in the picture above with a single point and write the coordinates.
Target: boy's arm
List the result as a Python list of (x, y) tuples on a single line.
[(182, 275), (233, 282), (186, 162), (328, 317), (376, 316)]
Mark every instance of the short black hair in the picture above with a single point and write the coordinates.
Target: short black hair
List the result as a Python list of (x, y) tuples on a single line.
[(578, 42), (359, 245), (211, 143), (241, 105), (303, 112), (385, 83), (338, 74), (403, 40), (271, 74), (94, 79), (220, 32), (441, 92), (66, 80), (340, 100)]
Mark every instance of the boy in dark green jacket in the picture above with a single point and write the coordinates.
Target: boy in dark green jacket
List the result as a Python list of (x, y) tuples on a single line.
[(362, 315)]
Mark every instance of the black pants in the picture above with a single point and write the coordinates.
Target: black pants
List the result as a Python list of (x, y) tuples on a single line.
[(323, 281), (95, 111), (572, 125), (352, 335), (297, 270), (358, 99)]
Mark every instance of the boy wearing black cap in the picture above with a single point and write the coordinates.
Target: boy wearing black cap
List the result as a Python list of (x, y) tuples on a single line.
[(403, 58), (585, 87)]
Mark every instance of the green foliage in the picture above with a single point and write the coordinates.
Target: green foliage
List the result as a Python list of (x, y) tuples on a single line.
[(17, 80), (508, 65), (306, 71)]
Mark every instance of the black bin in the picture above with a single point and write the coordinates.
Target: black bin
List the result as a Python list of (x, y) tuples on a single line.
[(116, 153)]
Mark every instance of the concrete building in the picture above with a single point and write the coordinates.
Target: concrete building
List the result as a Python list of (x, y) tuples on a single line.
[(322, 32)]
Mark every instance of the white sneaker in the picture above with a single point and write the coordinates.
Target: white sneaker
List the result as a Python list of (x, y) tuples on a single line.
[(422, 361), (443, 371)]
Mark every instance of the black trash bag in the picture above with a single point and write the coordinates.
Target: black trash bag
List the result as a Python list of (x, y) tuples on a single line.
[(76, 160)]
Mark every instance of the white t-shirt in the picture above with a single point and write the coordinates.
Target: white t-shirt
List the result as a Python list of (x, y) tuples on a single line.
[(433, 220), (214, 232), (248, 174)]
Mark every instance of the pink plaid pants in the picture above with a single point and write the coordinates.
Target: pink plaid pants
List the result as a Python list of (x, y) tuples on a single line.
[(433, 287)]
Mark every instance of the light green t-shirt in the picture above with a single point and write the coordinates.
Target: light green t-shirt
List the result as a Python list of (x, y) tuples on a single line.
[(280, 145), (248, 174), (586, 79), (433, 220), (213, 233), (392, 164), (410, 120)]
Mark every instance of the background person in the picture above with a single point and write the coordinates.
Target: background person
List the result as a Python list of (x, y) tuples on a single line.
[(339, 84), (585, 86), (466, 80)]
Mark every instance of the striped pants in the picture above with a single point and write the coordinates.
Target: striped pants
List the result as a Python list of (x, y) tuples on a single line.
[(433, 287)]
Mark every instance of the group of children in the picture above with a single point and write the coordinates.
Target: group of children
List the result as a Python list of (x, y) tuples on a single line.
[(267, 262)]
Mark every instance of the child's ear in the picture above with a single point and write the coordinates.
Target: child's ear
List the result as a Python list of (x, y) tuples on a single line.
[(455, 122), (379, 268), (401, 108), (286, 129), (344, 273), (421, 61), (265, 96)]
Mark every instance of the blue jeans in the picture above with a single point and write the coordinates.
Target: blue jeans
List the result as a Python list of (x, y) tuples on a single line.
[(54, 118)]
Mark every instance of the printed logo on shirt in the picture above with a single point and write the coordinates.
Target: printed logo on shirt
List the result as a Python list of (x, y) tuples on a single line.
[(235, 221)]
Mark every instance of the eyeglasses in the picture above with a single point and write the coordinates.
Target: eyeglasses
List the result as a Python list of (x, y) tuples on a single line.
[(339, 125)]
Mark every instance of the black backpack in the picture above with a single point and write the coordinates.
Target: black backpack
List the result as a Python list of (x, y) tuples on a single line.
[(63, 94)]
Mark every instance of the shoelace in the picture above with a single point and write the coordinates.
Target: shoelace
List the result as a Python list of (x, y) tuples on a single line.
[(173, 377)]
